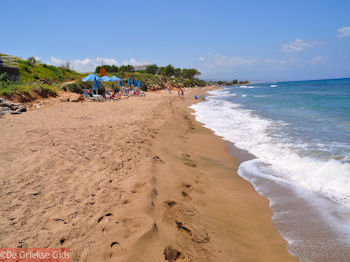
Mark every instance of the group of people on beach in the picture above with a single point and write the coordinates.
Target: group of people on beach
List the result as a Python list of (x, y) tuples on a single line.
[(116, 94), (180, 91)]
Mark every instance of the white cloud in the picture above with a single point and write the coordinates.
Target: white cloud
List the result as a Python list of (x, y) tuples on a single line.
[(299, 45), (134, 62), (344, 31), (89, 64), (201, 58)]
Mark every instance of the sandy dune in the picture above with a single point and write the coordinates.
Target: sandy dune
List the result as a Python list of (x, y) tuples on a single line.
[(135, 180)]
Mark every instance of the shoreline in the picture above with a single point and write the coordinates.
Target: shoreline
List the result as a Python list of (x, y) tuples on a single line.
[(314, 226), (136, 180)]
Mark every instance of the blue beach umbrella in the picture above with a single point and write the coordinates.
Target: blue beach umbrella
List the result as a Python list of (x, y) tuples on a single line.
[(129, 82), (90, 77), (140, 85), (114, 78), (106, 79), (93, 78), (96, 85)]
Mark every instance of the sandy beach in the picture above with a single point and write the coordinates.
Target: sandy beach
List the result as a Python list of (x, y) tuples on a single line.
[(133, 180)]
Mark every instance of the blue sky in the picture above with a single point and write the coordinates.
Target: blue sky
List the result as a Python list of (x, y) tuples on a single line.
[(252, 39)]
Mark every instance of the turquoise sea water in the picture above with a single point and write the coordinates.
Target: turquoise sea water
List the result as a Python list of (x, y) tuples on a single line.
[(317, 114), (300, 135)]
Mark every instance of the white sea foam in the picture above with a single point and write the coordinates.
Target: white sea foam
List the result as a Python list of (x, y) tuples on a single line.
[(246, 86), (273, 85), (252, 133)]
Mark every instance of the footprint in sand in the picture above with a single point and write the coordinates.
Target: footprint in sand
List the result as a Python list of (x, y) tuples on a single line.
[(186, 195), (114, 243), (157, 158), (190, 163), (186, 186), (198, 236), (171, 254), (170, 203), (106, 215)]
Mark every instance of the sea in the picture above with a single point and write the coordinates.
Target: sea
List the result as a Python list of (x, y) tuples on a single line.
[(299, 134)]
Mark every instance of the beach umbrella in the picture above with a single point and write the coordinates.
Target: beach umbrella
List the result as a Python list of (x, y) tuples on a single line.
[(129, 82), (114, 78), (90, 77), (106, 79), (96, 84), (93, 78), (140, 85)]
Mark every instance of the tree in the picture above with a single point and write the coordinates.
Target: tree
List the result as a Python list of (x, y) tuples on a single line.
[(190, 73), (235, 82), (114, 69), (109, 69), (169, 70), (126, 68), (152, 69), (97, 69), (177, 72), (32, 61), (161, 71)]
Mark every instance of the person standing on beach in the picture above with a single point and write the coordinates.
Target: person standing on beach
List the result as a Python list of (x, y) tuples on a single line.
[(169, 89)]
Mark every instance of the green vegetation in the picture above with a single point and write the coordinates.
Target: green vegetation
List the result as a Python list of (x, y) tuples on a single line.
[(42, 78), (8, 88), (167, 71), (152, 69), (37, 78), (149, 82), (109, 69), (31, 71), (152, 78), (229, 83)]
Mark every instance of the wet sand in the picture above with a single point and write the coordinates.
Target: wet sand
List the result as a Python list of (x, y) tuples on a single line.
[(134, 180)]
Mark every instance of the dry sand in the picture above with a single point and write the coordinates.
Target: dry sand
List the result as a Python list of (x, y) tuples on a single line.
[(134, 180)]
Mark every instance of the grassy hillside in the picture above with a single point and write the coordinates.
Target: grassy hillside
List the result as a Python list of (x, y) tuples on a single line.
[(39, 79), (48, 73), (36, 79), (149, 82)]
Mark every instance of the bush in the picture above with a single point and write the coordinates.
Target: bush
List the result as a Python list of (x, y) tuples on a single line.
[(26, 88), (32, 61), (73, 87), (4, 78), (27, 69)]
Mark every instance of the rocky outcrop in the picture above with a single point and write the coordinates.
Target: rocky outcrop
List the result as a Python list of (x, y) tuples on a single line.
[(8, 107)]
